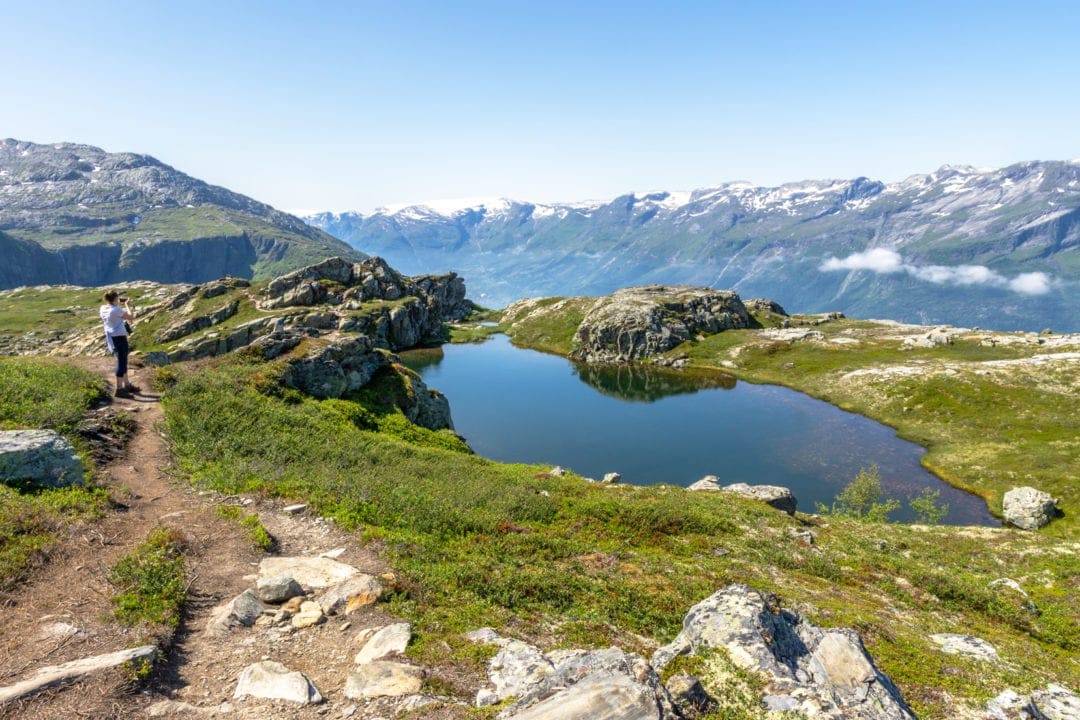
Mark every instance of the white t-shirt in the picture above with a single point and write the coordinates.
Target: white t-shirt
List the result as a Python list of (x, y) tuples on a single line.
[(112, 317)]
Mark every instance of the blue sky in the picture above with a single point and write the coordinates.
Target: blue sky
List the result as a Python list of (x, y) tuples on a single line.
[(312, 106)]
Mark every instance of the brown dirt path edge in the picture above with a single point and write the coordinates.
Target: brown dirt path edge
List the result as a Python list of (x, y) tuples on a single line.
[(71, 588)]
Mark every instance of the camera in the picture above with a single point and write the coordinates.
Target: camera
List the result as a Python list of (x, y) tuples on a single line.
[(122, 299)]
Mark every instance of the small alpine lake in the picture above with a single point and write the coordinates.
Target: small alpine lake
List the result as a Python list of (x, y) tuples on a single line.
[(655, 425)]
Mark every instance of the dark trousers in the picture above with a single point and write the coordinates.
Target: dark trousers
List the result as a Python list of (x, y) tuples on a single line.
[(121, 349)]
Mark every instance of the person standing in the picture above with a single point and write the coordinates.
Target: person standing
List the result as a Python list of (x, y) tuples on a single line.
[(113, 318)]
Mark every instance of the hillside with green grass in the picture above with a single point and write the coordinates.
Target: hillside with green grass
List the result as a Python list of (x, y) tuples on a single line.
[(564, 563), (77, 214)]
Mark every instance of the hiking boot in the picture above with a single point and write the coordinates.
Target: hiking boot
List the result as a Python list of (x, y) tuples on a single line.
[(133, 389), (124, 393)]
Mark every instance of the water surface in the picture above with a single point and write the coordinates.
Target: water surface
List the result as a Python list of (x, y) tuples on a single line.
[(663, 426)]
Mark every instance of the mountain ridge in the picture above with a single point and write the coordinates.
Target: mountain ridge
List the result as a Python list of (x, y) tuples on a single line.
[(991, 246), (74, 213)]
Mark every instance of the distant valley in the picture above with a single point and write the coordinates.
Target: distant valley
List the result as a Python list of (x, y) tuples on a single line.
[(994, 248), (76, 214)]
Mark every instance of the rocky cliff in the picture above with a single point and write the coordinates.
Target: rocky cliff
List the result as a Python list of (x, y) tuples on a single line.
[(79, 215)]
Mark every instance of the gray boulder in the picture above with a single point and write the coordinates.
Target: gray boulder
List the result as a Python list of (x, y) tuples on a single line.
[(1056, 702), (273, 681), (606, 683), (1028, 508), (710, 483), (776, 496), (824, 672), (41, 457), (642, 322)]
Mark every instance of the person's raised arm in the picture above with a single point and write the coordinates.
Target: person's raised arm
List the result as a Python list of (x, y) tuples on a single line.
[(129, 314)]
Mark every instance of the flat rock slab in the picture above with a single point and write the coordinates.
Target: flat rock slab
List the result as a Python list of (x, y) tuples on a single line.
[(389, 640), (71, 671), (709, 482), (383, 679), (968, 645), (311, 572), (42, 457), (271, 680), (597, 697)]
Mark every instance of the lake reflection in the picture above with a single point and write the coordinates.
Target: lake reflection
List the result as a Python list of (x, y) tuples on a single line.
[(656, 425), (649, 383)]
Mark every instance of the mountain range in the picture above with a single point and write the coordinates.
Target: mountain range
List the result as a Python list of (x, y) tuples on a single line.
[(996, 248), (77, 214)]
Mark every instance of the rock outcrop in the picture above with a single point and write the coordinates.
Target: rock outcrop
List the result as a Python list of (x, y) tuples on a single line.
[(642, 322), (572, 684), (38, 457), (421, 304), (775, 496), (824, 673), (1028, 508)]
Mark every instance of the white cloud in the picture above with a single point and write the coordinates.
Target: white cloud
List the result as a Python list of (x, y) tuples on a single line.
[(959, 275), (1032, 283), (885, 261), (879, 260)]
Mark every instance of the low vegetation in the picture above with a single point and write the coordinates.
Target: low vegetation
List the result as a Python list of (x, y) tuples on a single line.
[(567, 563), (33, 394), (260, 537), (150, 583)]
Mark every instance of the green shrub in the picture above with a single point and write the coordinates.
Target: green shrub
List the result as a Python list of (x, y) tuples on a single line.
[(260, 537), (926, 507), (863, 499), (149, 584)]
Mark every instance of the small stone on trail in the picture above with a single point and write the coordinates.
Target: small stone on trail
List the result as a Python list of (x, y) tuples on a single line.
[(276, 590), (293, 509), (388, 640), (383, 679), (310, 614), (333, 554), (242, 611), (273, 681)]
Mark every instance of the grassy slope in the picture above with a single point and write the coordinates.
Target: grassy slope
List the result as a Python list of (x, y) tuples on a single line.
[(37, 394), (569, 563)]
